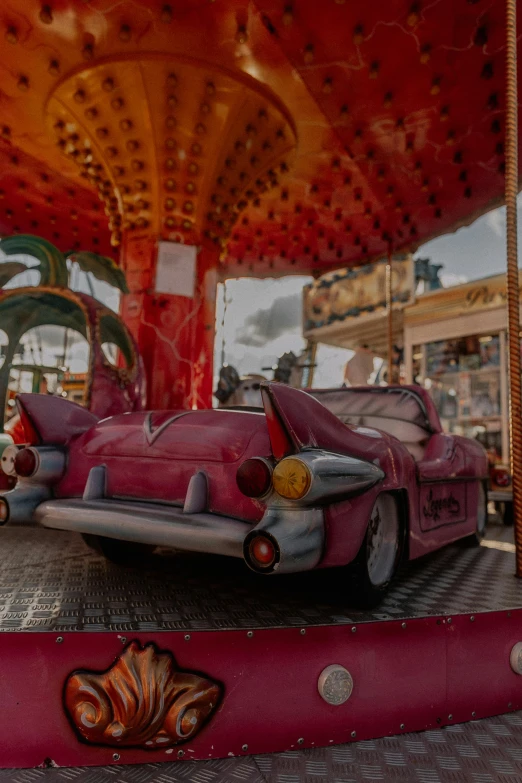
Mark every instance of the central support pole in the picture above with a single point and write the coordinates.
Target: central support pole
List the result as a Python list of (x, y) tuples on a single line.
[(513, 297), (175, 334), (389, 316)]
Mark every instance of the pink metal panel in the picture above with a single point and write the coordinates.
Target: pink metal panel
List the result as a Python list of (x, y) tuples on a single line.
[(408, 675), (478, 651)]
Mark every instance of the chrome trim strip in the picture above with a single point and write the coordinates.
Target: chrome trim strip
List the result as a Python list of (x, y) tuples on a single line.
[(150, 434)]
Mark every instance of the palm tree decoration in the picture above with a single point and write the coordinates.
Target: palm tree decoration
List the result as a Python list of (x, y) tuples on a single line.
[(10, 269), (54, 273), (53, 263)]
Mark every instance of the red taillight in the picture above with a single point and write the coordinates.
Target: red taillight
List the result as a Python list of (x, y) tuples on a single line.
[(4, 511), (254, 477), (31, 435), (501, 477), (26, 462), (262, 552)]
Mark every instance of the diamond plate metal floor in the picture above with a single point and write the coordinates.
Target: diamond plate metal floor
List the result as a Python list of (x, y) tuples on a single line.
[(51, 581), (486, 751)]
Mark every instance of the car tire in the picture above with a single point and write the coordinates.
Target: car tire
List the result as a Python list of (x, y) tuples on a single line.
[(482, 519), (380, 555), (508, 514), (124, 553)]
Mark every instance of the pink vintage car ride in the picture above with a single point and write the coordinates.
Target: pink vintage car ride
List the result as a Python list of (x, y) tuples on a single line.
[(356, 479)]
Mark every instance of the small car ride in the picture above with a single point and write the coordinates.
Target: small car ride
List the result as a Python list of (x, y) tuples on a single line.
[(360, 477)]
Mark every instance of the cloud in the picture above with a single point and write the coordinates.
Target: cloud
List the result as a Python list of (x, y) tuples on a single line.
[(51, 338), (496, 221), (265, 325)]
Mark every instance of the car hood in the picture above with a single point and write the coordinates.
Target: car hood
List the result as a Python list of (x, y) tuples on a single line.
[(206, 435)]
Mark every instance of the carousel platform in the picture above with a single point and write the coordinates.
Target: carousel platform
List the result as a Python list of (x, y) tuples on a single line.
[(433, 658)]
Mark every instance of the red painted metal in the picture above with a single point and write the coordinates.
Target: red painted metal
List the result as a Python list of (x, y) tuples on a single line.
[(175, 334), (49, 419), (455, 669)]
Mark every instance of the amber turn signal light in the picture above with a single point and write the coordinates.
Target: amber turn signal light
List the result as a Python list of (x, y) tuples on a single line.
[(291, 478), (254, 477)]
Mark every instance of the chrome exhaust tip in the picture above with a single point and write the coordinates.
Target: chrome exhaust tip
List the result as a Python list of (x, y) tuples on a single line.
[(18, 505)]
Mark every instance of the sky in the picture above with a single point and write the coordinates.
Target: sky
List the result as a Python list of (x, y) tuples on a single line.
[(263, 317)]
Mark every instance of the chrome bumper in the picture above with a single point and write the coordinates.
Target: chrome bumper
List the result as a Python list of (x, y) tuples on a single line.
[(298, 533), (146, 523), (501, 496)]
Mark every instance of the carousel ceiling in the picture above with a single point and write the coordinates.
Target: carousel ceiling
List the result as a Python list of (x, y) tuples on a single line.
[(293, 137)]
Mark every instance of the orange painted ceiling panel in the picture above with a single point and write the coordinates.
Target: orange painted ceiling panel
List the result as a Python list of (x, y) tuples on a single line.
[(293, 137)]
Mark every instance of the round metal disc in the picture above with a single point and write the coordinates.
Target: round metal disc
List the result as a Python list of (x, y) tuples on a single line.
[(335, 684)]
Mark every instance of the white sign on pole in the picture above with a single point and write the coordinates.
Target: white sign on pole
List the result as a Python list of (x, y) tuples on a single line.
[(176, 269)]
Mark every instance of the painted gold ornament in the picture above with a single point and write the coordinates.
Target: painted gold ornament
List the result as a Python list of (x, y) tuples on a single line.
[(142, 700)]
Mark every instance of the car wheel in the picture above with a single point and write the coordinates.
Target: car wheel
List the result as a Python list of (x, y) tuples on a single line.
[(125, 553), (482, 518), (380, 554)]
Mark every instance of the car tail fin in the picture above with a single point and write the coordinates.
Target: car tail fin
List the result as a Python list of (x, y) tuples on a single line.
[(297, 421), (281, 439), (48, 419)]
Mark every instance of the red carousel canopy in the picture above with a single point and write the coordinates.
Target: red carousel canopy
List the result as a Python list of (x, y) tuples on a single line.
[(294, 137)]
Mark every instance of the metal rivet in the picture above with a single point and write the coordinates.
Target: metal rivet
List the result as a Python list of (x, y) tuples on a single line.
[(402, 726), (450, 716), (449, 621), (335, 684), (353, 734), (250, 634), (187, 637), (115, 756), (59, 639), (300, 741), (472, 618), (302, 631), (403, 625), (181, 753), (244, 747), (123, 639), (473, 714), (515, 658), (354, 628)]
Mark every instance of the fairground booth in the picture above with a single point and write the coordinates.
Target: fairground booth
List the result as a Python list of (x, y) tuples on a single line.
[(286, 591)]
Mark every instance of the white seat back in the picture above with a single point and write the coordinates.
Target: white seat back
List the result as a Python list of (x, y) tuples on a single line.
[(398, 412)]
